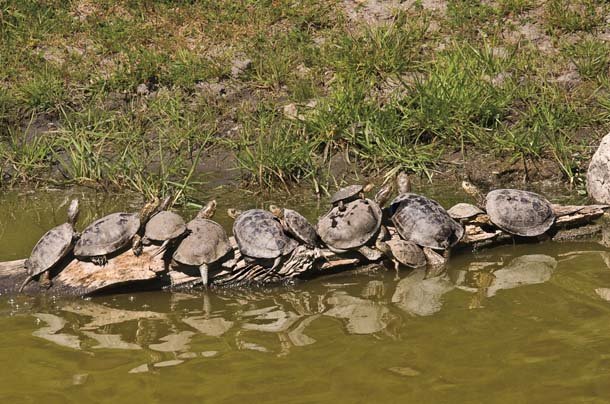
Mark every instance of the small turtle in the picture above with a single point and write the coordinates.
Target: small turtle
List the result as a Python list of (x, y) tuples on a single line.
[(164, 227), (296, 225), (353, 226), (349, 193), (423, 220), (113, 232), (206, 244), (400, 251), (464, 211), (259, 235), (515, 211), (51, 248)]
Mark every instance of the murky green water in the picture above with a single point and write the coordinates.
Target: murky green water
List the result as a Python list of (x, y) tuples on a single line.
[(534, 331)]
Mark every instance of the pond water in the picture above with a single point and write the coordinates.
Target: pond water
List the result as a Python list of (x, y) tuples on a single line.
[(514, 324)]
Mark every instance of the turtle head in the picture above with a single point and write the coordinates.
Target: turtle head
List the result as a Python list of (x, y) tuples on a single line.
[(233, 213), (73, 212), (207, 212), (473, 191), (404, 183), (149, 209), (383, 195), (277, 211)]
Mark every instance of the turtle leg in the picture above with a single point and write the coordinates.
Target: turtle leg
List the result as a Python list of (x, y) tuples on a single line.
[(27, 280), (397, 269), (203, 270), (161, 249), (276, 263), (136, 245), (99, 260), (370, 253), (44, 280)]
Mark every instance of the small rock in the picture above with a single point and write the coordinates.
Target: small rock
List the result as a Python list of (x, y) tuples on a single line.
[(239, 66), (405, 371), (142, 89), (290, 111), (209, 354)]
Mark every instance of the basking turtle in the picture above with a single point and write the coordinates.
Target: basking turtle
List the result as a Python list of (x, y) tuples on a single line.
[(423, 220), (349, 193), (113, 232), (165, 226), (400, 251), (51, 248), (353, 226), (206, 244), (296, 225), (515, 211), (464, 211), (259, 235)]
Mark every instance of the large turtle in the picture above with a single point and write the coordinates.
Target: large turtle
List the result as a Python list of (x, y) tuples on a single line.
[(112, 233), (296, 225), (206, 244), (164, 227), (423, 220), (515, 211), (260, 236), (51, 248), (353, 226)]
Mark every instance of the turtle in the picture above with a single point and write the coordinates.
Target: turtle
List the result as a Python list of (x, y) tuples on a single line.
[(165, 227), (464, 211), (113, 232), (423, 220), (54, 245), (353, 226), (296, 225), (260, 236), (518, 212), (206, 243), (400, 251), (349, 193)]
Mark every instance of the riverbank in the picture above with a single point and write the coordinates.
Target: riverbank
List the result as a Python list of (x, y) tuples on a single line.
[(149, 97)]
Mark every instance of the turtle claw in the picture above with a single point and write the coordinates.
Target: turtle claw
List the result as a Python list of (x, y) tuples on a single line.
[(100, 260)]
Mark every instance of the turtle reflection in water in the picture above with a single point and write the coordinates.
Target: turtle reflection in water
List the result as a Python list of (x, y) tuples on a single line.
[(524, 270)]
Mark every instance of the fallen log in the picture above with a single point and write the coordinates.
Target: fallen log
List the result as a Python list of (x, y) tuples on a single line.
[(126, 272)]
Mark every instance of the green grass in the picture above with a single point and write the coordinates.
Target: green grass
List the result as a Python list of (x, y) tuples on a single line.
[(401, 94)]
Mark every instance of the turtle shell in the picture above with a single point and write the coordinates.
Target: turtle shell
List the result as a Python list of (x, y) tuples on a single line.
[(300, 227), (346, 193), (165, 225), (206, 243), (107, 235), (464, 211), (352, 227), (51, 248), (519, 212), (260, 235), (425, 222), (407, 253)]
